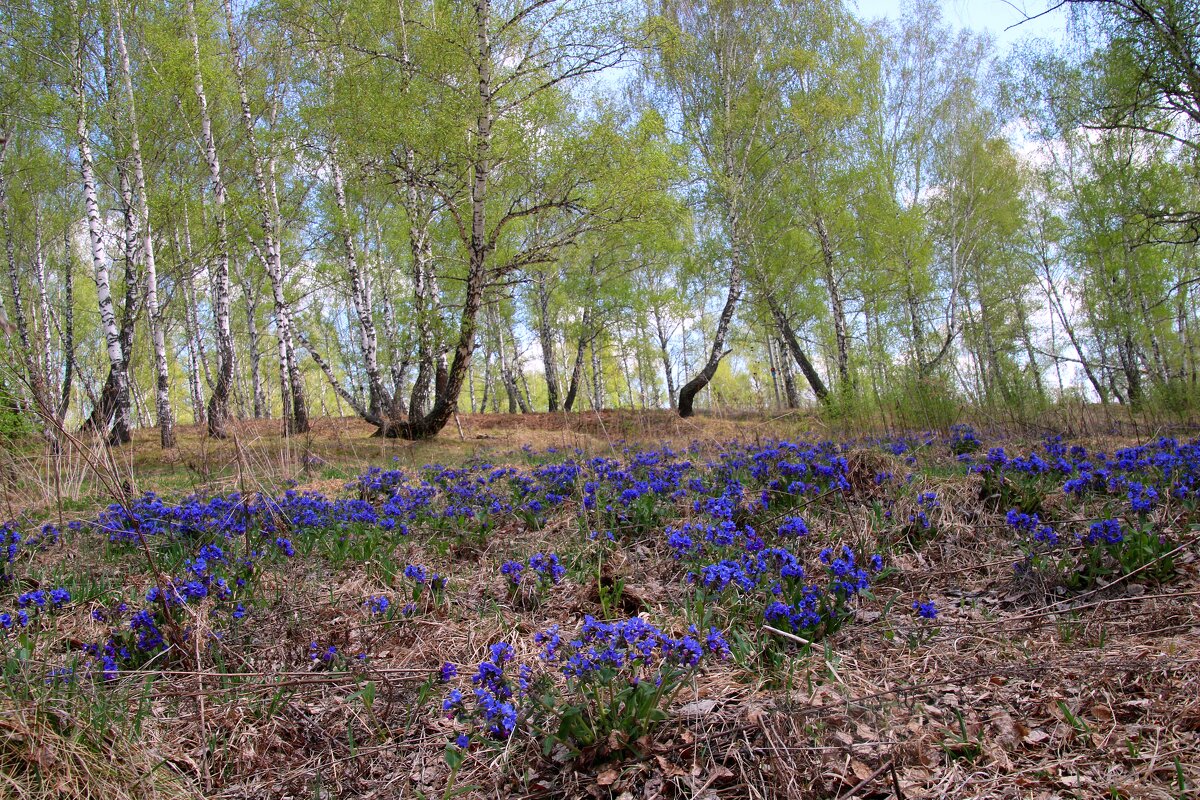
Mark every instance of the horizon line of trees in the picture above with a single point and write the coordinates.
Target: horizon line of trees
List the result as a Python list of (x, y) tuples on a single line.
[(284, 208)]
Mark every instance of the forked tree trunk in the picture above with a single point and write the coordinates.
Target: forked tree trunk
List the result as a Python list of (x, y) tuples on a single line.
[(218, 404), (262, 168), (789, 377), (546, 337), (479, 246), (379, 401), (104, 301), (687, 394), (577, 370), (162, 395), (397, 365), (103, 414), (793, 345), (425, 289), (665, 354), (772, 364)]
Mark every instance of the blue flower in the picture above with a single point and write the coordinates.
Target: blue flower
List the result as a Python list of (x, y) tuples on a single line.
[(793, 526), (547, 567), (926, 609), (512, 570), (377, 605), (452, 702)]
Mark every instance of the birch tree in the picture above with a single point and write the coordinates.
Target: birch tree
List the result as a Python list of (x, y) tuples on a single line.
[(166, 419)]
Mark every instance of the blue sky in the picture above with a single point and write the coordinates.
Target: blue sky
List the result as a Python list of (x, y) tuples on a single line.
[(993, 16)]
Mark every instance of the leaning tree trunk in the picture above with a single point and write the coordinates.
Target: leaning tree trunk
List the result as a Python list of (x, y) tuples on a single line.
[(837, 305), (162, 395), (577, 369), (104, 301), (218, 404), (687, 394), (1056, 303), (793, 345), (665, 354)]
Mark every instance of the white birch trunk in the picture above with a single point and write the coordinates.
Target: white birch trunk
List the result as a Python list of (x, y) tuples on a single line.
[(39, 273), (359, 294), (162, 394), (104, 301), (218, 404), (297, 420)]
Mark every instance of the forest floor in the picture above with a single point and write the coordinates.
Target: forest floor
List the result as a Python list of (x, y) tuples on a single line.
[(275, 622)]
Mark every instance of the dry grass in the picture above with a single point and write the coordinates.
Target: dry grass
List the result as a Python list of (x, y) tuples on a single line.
[(1011, 694)]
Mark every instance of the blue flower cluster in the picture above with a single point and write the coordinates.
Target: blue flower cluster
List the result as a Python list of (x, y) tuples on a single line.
[(38, 601), (1107, 531), (736, 527), (927, 502), (1144, 475), (632, 645), (963, 440), (495, 706), (1031, 525), (546, 566), (377, 604)]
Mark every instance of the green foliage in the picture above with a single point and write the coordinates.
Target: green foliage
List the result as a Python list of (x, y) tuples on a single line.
[(1141, 553), (607, 707), (14, 424)]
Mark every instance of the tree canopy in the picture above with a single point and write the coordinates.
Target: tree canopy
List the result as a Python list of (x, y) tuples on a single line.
[(401, 210)]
